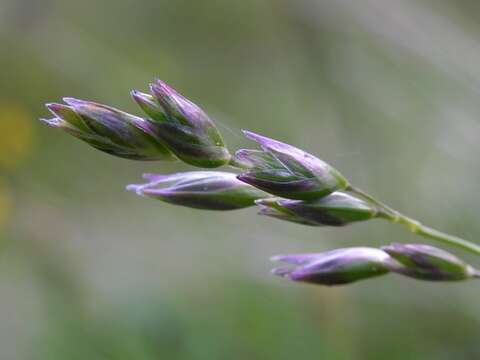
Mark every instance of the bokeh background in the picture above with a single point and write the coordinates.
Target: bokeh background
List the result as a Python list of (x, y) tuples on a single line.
[(386, 90)]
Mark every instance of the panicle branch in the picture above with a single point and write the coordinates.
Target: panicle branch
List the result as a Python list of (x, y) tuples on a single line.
[(285, 182)]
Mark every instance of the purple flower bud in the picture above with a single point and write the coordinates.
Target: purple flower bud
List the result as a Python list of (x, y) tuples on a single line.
[(335, 267), (108, 129), (286, 171), (183, 127), (337, 209), (210, 190), (428, 263)]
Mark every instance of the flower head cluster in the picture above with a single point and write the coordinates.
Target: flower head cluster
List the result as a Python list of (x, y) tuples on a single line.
[(174, 128), (283, 181)]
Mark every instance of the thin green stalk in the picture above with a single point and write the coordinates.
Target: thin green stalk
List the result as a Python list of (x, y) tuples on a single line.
[(415, 226)]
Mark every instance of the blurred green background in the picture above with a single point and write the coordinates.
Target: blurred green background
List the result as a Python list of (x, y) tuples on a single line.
[(386, 90)]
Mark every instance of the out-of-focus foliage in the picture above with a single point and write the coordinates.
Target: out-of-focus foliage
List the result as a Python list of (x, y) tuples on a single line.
[(16, 134), (384, 90), (5, 204)]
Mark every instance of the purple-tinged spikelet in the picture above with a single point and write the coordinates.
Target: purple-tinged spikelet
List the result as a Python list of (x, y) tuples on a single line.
[(210, 190), (426, 262), (336, 209), (335, 267), (287, 171), (108, 129), (183, 127)]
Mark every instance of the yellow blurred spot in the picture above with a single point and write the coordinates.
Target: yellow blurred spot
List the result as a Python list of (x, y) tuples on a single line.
[(5, 205), (16, 135)]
